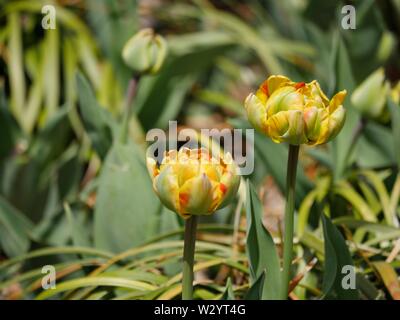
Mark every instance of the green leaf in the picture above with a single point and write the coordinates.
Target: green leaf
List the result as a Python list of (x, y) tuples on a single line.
[(256, 290), (127, 211), (97, 121), (371, 155), (344, 189), (9, 130), (52, 139), (16, 66), (51, 71), (54, 251), (228, 294), (14, 230), (342, 144), (389, 277), (78, 232), (221, 100), (97, 295), (370, 197), (395, 117), (367, 287), (96, 281), (337, 256), (377, 182), (379, 142), (376, 228), (304, 212), (261, 248)]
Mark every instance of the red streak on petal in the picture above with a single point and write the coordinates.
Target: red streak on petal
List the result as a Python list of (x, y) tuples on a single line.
[(155, 172), (264, 88), (300, 85), (183, 198), (223, 188)]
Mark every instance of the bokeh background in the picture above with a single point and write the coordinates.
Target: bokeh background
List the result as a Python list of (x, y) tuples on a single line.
[(73, 196)]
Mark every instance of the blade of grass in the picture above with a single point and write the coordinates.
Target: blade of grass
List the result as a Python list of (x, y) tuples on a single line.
[(55, 251), (15, 65), (345, 190), (389, 278), (95, 281)]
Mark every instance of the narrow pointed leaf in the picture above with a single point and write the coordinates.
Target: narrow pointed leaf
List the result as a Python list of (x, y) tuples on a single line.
[(261, 248)]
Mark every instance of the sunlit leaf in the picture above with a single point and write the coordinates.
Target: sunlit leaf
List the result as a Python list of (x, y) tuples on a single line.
[(395, 117), (256, 290), (14, 230), (95, 281), (336, 257), (228, 293), (97, 121), (261, 248), (389, 277), (120, 222)]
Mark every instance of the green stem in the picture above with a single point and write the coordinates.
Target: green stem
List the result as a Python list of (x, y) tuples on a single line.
[(130, 95), (188, 257), (289, 219)]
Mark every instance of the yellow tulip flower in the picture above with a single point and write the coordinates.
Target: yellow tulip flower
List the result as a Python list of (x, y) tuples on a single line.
[(295, 112), (193, 182)]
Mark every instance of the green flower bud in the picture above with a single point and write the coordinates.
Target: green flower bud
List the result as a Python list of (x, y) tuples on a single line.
[(395, 93), (370, 96), (145, 52), (386, 46)]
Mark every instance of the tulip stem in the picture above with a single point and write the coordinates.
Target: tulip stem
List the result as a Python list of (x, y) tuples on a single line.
[(289, 218), (188, 257), (130, 96)]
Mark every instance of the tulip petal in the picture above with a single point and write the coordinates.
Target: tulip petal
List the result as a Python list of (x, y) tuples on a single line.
[(317, 94), (287, 126), (160, 53), (151, 165), (228, 186), (256, 112), (313, 117), (212, 170), (295, 133), (167, 188), (185, 171), (275, 82), (284, 99), (337, 100), (332, 125), (196, 196)]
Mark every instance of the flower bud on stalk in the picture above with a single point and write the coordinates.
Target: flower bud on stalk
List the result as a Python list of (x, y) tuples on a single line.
[(296, 113), (370, 97), (145, 52), (192, 183)]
